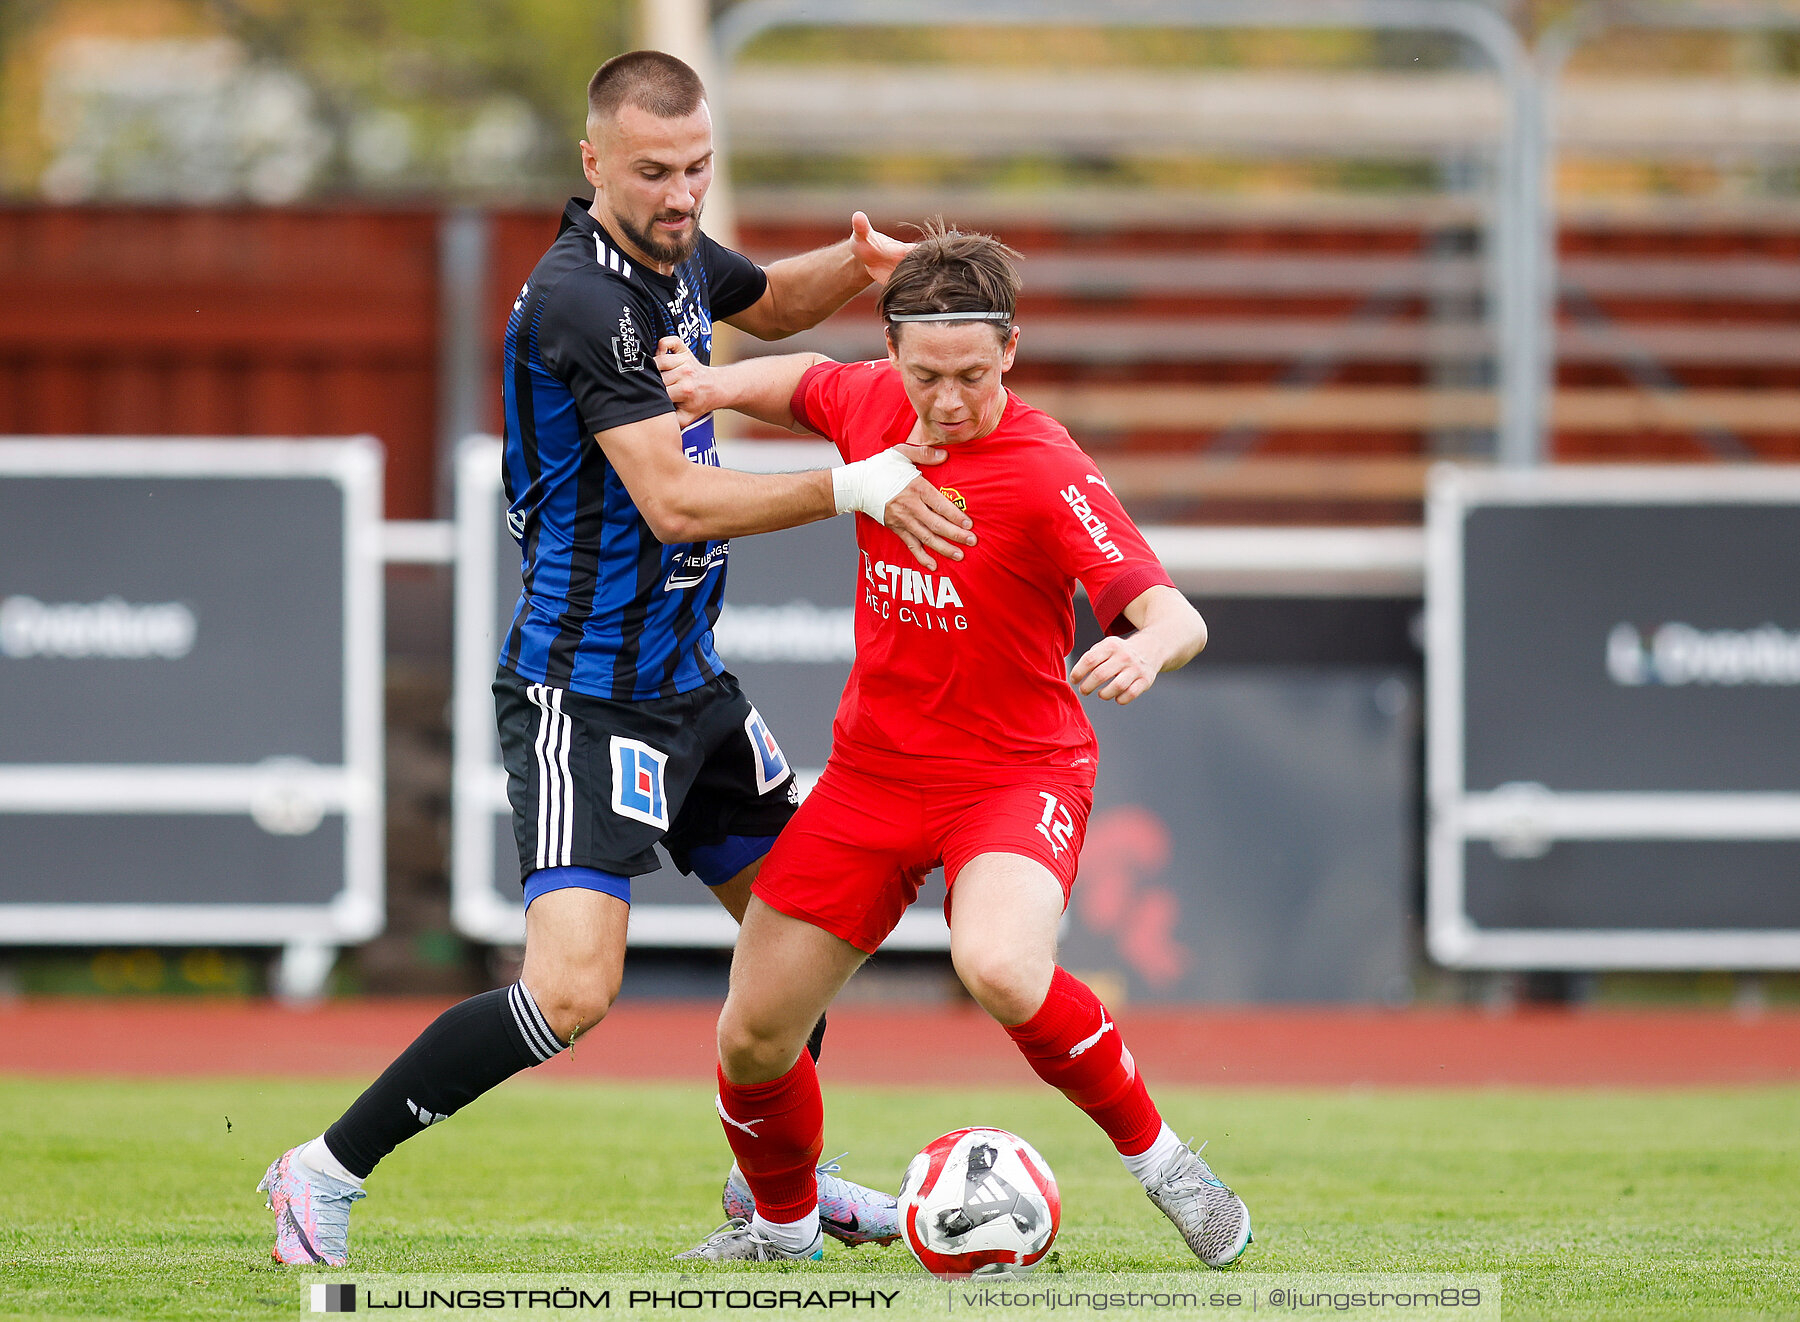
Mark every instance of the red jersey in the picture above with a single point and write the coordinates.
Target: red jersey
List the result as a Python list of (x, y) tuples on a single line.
[(964, 670)]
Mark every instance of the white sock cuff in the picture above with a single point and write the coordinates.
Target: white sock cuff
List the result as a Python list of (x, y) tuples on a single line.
[(1153, 1158), (319, 1157), (794, 1236)]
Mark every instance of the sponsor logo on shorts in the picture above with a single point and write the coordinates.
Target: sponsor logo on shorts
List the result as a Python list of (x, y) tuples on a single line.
[(638, 782), (1095, 525), (771, 766)]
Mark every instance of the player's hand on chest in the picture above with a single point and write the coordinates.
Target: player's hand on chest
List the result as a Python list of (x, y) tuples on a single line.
[(947, 601)]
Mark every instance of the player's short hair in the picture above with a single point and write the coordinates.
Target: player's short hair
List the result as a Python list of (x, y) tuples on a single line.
[(952, 272), (651, 80)]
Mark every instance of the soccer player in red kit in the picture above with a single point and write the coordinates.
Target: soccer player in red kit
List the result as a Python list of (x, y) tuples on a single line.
[(959, 741)]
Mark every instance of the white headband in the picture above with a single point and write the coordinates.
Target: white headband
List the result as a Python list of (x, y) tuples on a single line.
[(950, 316)]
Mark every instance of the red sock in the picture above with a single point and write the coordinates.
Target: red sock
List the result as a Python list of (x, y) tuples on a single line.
[(1072, 1044), (776, 1131)]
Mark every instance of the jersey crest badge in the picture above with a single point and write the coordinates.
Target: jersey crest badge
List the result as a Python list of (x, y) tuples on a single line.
[(638, 782), (955, 497), (766, 754)]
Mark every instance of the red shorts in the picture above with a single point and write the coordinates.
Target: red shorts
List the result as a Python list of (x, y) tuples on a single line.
[(857, 851)]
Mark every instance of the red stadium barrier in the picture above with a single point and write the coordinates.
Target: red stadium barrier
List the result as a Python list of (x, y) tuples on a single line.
[(930, 1045)]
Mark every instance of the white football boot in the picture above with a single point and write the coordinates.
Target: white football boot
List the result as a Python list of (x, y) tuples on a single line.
[(1212, 1219), (739, 1241)]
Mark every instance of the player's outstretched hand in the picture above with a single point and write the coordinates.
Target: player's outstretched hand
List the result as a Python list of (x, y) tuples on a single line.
[(685, 378), (1114, 670), (925, 519), (878, 253)]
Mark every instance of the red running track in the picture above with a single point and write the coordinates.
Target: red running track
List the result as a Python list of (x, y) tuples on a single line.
[(939, 1045)]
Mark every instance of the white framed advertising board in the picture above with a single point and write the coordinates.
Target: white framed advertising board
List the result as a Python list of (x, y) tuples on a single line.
[(191, 692), (1613, 675)]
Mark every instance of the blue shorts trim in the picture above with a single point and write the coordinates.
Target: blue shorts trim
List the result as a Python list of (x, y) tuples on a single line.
[(718, 864), (545, 880)]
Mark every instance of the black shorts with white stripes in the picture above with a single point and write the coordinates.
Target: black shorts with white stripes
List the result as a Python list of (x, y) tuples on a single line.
[(597, 784)]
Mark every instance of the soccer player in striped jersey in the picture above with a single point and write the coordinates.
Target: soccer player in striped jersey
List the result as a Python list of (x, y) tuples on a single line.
[(960, 741), (619, 727)]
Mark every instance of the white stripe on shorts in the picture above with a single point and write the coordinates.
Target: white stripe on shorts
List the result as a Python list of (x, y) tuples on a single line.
[(556, 787), (568, 784)]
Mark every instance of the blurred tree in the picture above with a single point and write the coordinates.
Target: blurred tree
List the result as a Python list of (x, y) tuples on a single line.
[(275, 99), (464, 94)]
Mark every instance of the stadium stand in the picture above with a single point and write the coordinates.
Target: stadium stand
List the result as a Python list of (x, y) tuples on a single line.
[(1292, 360), (1274, 363)]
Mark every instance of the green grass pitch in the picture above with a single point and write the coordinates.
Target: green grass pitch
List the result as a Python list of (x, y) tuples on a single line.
[(134, 1199)]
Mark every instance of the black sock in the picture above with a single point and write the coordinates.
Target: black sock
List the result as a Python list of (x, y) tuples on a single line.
[(466, 1050), (816, 1043)]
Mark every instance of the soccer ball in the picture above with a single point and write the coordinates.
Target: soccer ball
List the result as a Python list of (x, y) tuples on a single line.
[(979, 1202)]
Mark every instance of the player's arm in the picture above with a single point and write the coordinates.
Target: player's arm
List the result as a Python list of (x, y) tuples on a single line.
[(589, 337), (687, 502), (806, 289), (762, 388), (1168, 633)]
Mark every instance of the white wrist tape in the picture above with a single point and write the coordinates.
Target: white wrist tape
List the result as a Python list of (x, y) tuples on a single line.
[(867, 485)]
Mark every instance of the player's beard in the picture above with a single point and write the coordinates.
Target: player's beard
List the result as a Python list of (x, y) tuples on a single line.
[(668, 251)]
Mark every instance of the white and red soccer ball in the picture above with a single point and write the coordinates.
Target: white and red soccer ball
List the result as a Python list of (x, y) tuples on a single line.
[(979, 1202)]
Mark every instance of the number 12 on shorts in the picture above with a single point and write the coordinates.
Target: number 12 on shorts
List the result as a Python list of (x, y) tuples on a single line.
[(1056, 825)]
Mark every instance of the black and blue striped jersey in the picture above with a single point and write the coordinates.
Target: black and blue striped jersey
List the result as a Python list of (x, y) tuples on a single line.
[(605, 609)]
